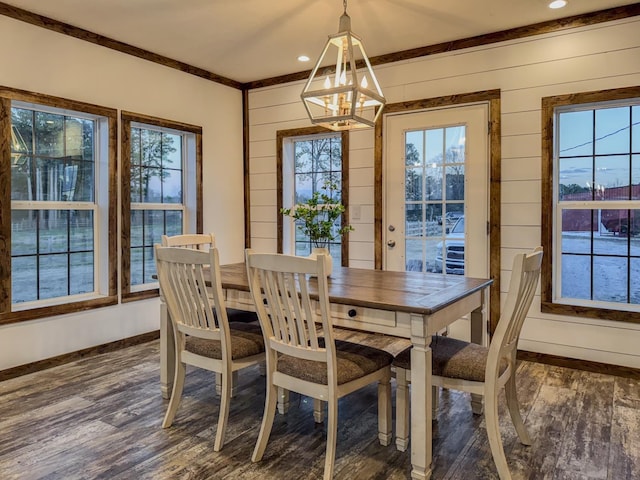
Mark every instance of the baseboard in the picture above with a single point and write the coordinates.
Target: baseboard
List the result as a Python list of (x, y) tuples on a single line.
[(73, 356), (586, 365)]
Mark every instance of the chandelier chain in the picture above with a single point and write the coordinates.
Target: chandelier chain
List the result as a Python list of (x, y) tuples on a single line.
[(344, 4)]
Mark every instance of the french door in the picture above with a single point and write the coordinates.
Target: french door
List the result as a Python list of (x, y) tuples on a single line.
[(436, 191)]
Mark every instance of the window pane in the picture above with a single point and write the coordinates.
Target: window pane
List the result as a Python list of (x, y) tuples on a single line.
[(577, 226), (635, 176), (576, 276), (171, 151), (413, 149), (413, 183), (151, 148), (174, 223), (54, 276), (433, 187), (53, 236), (414, 226), (612, 177), (81, 278), (149, 265), (81, 238), (610, 279), (576, 133), (635, 129), (137, 228), (455, 182), (575, 179), (23, 239), (153, 226), (455, 146), (151, 185), (136, 267), (24, 283), (635, 281), (49, 134), (172, 186), (434, 145), (612, 130), (414, 255)]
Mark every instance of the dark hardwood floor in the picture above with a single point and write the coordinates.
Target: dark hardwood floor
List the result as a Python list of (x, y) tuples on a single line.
[(99, 418)]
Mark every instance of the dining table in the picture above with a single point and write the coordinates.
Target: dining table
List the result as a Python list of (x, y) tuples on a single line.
[(412, 305)]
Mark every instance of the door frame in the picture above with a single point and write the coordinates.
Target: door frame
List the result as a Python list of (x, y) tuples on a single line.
[(492, 97)]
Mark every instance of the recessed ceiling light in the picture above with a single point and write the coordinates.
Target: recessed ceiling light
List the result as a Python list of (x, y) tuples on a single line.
[(303, 58), (558, 4)]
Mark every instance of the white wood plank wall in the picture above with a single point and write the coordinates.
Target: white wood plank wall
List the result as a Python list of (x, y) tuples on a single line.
[(598, 57)]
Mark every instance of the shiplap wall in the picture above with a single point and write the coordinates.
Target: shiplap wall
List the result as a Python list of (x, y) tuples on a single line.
[(598, 57), (45, 62)]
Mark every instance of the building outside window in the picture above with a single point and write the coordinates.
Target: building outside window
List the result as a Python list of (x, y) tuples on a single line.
[(311, 163), (60, 206), (161, 175), (595, 198)]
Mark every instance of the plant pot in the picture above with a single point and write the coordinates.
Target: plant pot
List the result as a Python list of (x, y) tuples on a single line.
[(328, 259)]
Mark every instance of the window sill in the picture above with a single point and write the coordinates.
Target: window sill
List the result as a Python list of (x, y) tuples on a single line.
[(590, 312), (61, 309)]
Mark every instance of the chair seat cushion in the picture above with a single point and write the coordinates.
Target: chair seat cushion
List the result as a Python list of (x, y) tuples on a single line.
[(353, 361), (246, 341), (453, 358)]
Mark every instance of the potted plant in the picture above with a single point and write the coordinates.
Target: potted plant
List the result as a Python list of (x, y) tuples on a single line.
[(319, 219)]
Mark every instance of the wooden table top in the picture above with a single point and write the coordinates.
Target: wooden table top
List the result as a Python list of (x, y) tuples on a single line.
[(414, 292)]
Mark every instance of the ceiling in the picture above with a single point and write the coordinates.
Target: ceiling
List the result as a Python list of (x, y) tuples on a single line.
[(247, 40)]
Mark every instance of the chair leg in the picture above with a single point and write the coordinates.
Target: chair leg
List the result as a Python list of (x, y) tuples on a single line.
[(234, 384), (493, 433), (332, 430), (176, 394), (318, 410), (514, 410), (435, 398), (402, 410), (270, 404), (477, 404), (225, 397), (385, 429), (283, 400)]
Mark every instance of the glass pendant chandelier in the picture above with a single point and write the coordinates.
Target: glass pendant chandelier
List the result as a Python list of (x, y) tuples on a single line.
[(344, 98)]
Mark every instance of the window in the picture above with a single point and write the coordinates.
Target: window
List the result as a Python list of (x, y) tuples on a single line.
[(59, 181), (307, 159), (161, 195), (594, 194)]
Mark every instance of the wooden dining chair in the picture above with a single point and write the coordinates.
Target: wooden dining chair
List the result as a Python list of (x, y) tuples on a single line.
[(475, 369), (202, 338), (298, 358), (205, 242)]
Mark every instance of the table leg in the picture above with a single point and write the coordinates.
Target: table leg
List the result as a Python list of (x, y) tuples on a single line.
[(421, 413), (167, 352)]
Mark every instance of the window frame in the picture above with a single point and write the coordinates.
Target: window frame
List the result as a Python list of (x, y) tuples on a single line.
[(550, 206), (283, 136), (129, 292), (105, 207)]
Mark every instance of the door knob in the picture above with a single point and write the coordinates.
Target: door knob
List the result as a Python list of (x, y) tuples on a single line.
[(391, 243)]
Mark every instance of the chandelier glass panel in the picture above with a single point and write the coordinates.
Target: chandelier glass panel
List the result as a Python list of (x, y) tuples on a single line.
[(337, 95)]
